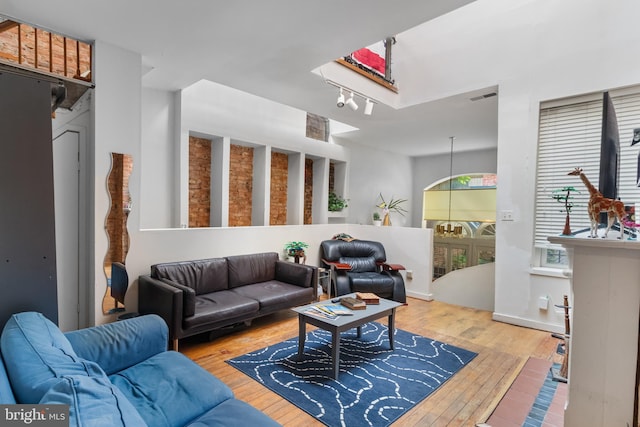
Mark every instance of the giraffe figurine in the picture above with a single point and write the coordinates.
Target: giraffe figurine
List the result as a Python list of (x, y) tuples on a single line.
[(598, 203)]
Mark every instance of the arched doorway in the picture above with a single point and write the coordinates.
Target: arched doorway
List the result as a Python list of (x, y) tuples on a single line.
[(461, 211)]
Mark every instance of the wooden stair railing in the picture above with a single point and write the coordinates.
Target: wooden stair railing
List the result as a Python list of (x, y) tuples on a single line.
[(66, 57)]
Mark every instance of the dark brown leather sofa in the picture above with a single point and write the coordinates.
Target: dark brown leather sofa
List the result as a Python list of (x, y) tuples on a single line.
[(204, 295)]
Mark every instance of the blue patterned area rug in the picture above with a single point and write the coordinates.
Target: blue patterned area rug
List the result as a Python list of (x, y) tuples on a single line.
[(375, 386)]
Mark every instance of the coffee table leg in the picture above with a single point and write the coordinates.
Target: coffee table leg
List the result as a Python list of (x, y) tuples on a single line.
[(359, 329), (302, 333), (335, 353), (391, 327)]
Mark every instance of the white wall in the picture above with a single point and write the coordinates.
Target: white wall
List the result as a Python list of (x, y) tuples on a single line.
[(534, 50), (117, 118), (470, 287), (372, 172), (158, 197)]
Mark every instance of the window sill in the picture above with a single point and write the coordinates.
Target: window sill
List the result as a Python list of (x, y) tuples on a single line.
[(563, 273)]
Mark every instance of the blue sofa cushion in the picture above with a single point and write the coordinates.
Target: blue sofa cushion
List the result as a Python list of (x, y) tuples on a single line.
[(119, 345), (234, 412), (6, 394), (93, 402), (35, 353), (169, 389)]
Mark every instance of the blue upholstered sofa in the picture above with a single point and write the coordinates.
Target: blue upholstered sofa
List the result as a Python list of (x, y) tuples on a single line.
[(119, 374)]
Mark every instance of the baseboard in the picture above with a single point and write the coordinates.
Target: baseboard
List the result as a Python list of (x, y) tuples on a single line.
[(420, 295), (527, 323)]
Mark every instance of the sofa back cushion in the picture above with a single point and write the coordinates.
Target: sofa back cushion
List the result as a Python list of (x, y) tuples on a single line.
[(252, 268), (36, 354), (203, 276), (118, 345)]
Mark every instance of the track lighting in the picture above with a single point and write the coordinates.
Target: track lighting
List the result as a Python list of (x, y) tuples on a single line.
[(368, 107), (340, 102), (352, 103)]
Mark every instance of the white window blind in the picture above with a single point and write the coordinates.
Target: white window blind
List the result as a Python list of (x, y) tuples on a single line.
[(569, 137)]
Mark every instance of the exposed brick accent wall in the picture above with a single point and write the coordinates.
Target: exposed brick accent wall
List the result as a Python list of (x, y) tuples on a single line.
[(199, 182), (308, 191), (332, 174), (240, 185), (279, 186), (27, 56)]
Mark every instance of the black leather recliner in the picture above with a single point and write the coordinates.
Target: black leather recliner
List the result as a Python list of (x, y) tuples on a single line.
[(360, 266)]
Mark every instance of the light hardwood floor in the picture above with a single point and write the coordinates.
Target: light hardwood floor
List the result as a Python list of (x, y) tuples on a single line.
[(466, 399)]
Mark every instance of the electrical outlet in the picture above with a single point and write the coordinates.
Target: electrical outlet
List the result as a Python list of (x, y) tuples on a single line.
[(543, 302), (506, 215)]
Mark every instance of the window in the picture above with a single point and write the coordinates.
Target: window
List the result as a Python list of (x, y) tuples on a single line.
[(466, 205), (373, 62), (569, 137), (554, 258)]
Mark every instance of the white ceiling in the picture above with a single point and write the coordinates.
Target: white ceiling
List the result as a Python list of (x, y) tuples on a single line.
[(269, 48)]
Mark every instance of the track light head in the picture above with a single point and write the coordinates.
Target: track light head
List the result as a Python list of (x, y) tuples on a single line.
[(340, 102), (352, 103), (368, 107)]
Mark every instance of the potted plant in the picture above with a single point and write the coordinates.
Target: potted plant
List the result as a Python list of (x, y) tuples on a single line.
[(377, 221), (296, 251), (336, 203), (390, 206)]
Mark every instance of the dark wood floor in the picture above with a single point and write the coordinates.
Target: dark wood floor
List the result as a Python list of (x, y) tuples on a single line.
[(466, 399)]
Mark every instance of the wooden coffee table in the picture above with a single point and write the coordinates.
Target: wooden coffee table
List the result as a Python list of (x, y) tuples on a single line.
[(344, 323)]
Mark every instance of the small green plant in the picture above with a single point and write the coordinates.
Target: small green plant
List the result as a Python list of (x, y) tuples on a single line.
[(295, 248), (336, 203), (376, 216)]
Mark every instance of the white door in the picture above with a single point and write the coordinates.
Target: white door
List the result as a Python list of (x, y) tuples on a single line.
[(66, 192)]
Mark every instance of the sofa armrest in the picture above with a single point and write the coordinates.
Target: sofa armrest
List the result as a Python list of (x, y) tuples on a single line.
[(188, 297), (120, 345), (295, 274), (156, 297), (334, 265), (392, 267)]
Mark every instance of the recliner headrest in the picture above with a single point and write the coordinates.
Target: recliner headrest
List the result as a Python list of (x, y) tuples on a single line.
[(333, 250)]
